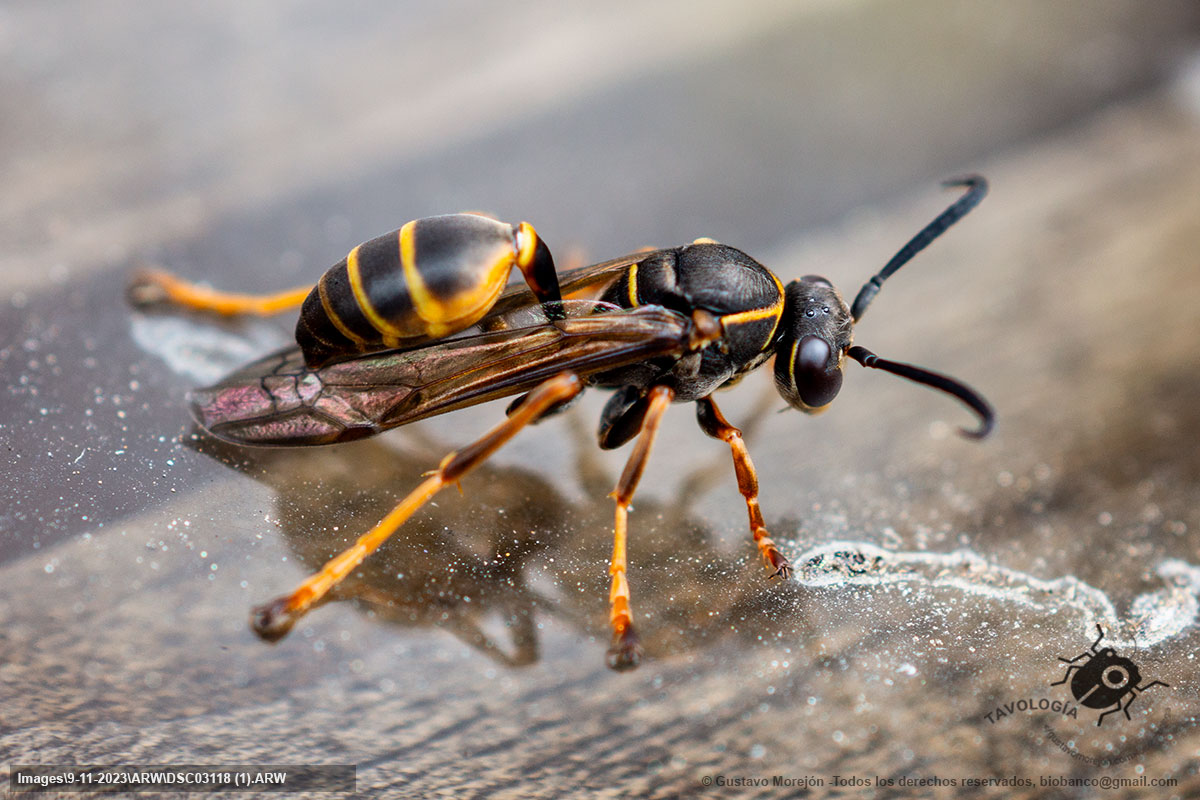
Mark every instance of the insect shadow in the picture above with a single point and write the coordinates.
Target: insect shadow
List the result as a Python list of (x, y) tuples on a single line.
[(518, 547), (1103, 679)]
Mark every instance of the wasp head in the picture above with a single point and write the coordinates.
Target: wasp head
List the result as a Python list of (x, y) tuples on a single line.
[(815, 333)]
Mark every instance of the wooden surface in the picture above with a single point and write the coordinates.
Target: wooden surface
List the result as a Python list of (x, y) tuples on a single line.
[(937, 578)]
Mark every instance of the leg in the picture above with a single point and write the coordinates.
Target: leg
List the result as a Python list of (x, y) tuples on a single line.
[(703, 478), (273, 620), (716, 426), (153, 287), (625, 651)]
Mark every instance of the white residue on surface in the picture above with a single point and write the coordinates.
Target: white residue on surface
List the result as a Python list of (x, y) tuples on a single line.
[(1153, 617)]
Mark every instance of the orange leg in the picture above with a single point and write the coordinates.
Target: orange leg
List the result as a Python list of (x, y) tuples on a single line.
[(273, 620), (716, 426), (153, 287), (625, 652)]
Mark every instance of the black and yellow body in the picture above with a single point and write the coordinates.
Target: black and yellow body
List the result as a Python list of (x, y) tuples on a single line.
[(419, 322), (429, 279), (744, 296)]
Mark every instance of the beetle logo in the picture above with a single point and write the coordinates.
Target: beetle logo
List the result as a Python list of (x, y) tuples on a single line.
[(1103, 679)]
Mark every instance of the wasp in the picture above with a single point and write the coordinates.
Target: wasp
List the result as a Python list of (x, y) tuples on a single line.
[(421, 321)]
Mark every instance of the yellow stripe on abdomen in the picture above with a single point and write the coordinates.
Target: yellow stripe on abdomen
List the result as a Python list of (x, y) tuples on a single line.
[(444, 316), (378, 322), (332, 315)]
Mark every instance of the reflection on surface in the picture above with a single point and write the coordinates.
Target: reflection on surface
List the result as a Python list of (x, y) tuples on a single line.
[(484, 565), (518, 544)]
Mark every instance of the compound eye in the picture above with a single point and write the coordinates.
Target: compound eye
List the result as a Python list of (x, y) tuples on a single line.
[(816, 382), (818, 280)]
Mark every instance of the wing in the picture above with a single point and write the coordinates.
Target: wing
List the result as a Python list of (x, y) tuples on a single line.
[(279, 401)]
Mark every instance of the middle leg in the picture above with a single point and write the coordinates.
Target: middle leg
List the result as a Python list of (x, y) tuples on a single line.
[(626, 652)]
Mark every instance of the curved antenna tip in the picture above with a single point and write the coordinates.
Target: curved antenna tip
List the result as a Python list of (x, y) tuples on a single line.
[(943, 383), (976, 186), (986, 426)]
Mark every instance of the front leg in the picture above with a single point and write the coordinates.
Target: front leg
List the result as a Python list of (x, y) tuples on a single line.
[(715, 425)]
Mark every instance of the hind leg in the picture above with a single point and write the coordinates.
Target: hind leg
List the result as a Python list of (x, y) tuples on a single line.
[(156, 287)]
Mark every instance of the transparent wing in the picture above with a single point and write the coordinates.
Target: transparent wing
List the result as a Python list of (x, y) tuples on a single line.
[(279, 401)]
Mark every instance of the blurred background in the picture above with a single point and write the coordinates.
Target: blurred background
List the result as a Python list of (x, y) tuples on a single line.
[(251, 145)]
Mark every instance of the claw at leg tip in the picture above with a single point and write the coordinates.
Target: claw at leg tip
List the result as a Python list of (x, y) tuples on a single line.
[(778, 564), (626, 651), (272, 621)]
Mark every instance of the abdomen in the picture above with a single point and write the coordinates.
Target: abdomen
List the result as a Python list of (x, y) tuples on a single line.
[(430, 278)]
